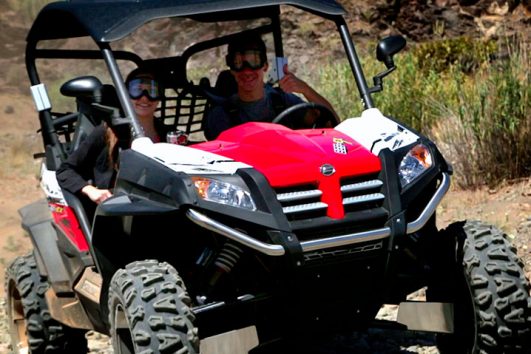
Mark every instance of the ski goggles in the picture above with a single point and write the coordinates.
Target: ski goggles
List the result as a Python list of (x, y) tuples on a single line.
[(144, 86), (252, 59)]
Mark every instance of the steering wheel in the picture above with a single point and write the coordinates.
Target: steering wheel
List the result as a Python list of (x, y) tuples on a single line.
[(325, 115)]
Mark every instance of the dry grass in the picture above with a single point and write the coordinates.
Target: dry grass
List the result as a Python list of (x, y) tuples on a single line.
[(479, 115)]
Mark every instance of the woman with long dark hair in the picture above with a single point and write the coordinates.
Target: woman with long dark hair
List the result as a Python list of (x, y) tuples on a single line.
[(90, 170)]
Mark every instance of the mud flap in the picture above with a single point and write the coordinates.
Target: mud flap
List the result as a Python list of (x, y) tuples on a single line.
[(427, 316), (237, 341)]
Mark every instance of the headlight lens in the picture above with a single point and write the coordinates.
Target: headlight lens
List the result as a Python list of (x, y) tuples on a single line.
[(222, 192), (415, 163)]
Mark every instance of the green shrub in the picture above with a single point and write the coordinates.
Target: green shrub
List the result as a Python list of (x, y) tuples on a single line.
[(465, 52), (487, 132), (479, 119), (337, 84)]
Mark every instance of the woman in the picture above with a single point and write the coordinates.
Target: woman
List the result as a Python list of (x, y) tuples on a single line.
[(90, 170)]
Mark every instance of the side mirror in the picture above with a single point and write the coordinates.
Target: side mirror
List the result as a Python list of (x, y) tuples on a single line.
[(385, 50), (388, 47), (84, 87)]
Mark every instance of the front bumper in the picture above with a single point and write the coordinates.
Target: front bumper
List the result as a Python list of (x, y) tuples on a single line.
[(322, 243)]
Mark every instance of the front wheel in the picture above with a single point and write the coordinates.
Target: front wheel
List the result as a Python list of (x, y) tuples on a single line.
[(31, 326), (149, 311), (491, 294)]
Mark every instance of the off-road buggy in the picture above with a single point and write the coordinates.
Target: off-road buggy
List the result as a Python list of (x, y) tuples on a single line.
[(298, 233)]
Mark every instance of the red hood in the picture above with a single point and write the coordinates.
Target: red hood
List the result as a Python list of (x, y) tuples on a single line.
[(294, 157), (290, 157)]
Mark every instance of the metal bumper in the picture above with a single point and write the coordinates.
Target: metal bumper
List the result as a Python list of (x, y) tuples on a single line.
[(323, 243)]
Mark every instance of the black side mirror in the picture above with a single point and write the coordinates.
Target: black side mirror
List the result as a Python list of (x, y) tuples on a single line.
[(84, 87), (388, 47), (385, 50)]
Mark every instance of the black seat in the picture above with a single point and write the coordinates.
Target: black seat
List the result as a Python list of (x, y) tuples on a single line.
[(89, 116), (109, 97), (224, 87), (226, 84)]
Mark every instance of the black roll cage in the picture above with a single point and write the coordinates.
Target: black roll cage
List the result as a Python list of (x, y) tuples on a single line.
[(110, 57)]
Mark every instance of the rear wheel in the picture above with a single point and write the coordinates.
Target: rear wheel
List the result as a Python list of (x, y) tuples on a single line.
[(149, 311), (31, 327), (491, 295)]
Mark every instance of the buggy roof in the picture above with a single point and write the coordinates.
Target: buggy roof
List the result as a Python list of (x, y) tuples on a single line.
[(111, 20)]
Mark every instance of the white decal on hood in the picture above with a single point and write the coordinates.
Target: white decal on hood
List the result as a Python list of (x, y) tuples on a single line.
[(187, 159), (375, 132)]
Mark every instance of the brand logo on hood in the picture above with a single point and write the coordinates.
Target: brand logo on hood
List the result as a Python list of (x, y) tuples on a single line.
[(327, 169), (340, 146)]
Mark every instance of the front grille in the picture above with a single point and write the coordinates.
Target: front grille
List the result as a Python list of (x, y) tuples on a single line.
[(362, 193), (301, 202), (362, 201), (304, 202)]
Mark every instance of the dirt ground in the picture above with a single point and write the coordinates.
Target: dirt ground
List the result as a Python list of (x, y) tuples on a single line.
[(19, 184)]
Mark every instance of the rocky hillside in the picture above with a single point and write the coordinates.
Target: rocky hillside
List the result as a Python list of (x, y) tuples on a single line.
[(417, 20)]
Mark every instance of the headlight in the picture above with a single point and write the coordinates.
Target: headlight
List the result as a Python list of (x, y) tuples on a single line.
[(222, 192), (415, 163)]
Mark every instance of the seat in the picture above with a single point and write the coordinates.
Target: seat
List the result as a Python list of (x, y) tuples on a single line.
[(224, 87), (226, 84), (89, 116)]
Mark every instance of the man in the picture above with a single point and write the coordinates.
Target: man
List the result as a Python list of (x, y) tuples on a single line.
[(255, 101)]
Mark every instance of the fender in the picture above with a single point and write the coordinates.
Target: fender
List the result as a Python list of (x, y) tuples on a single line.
[(37, 221)]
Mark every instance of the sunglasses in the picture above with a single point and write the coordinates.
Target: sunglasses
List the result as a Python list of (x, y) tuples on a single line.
[(252, 59), (144, 86)]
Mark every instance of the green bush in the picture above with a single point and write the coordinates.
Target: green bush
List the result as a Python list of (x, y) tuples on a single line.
[(487, 132), (465, 52), (337, 84), (480, 119)]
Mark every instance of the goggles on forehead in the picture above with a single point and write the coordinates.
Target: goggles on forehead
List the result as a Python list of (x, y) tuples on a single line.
[(144, 86), (252, 59)]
